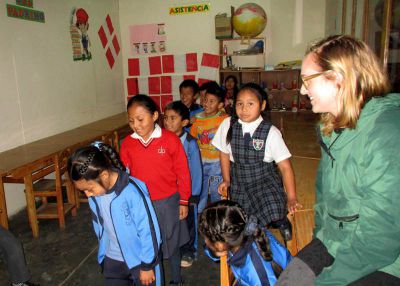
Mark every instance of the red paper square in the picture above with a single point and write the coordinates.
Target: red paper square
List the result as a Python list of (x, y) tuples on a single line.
[(116, 45), (189, 76), (166, 84), (155, 65), (202, 81), (156, 99), (191, 62), (165, 99), (154, 85), (168, 64), (133, 67), (132, 86), (210, 60), (110, 58), (103, 37), (109, 24)]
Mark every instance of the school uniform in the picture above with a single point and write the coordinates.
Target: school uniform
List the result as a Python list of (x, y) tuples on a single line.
[(126, 226), (255, 182), (196, 173), (250, 268), (161, 163)]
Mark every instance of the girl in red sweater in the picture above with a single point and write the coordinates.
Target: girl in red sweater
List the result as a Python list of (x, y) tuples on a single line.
[(156, 157)]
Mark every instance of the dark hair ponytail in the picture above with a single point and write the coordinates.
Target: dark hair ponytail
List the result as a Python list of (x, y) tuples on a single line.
[(88, 162), (225, 221)]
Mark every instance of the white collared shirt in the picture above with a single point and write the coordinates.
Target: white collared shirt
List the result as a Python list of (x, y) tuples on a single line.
[(275, 147), (155, 134)]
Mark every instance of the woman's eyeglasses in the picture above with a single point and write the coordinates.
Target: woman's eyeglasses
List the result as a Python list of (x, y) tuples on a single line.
[(304, 79)]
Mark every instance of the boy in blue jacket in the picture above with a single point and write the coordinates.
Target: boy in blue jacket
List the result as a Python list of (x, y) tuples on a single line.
[(176, 118), (123, 217)]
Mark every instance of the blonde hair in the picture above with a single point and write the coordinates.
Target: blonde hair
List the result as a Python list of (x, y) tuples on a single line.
[(363, 77)]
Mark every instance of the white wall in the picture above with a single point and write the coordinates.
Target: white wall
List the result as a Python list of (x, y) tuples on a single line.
[(292, 24), (43, 91)]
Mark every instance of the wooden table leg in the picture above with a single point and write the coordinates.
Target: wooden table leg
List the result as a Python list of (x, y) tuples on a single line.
[(3, 205), (30, 205)]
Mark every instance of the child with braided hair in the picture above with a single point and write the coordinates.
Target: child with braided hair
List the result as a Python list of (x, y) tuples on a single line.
[(123, 217), (254, 255)]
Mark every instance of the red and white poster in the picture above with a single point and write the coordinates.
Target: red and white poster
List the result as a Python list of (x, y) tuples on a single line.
[(109, 41)]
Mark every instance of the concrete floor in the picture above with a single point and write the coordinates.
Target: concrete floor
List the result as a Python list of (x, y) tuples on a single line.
[(68, 257)]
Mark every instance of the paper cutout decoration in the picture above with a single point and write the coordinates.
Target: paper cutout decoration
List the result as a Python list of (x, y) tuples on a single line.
[(180, 63), (209, 68), (79, 26), (166, 64), (144, 66), (147, 39), (156, 85), (109, 41)]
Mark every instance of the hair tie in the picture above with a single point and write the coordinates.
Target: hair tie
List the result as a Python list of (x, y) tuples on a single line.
[(98, 145), (82, 170), (251, 225)]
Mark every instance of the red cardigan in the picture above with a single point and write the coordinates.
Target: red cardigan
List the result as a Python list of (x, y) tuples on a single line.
[(162, 165)]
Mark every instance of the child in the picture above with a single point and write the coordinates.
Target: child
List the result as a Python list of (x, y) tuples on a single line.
[(249, 147), (254, 255), (231, 87), (156, 156), (188, 92), (203, 89), (176, 118), (123, 217), (203, 129)]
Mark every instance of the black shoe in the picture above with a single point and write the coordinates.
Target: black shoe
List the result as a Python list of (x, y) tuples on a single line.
[(286, 231), (285, 228)]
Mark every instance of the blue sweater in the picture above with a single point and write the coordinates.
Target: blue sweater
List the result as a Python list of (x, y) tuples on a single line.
[(250, 268), (134, 221), (195, 166)]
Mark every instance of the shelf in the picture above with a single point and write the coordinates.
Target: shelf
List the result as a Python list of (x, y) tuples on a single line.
[(241, 70), (241, 55), (240, 39)]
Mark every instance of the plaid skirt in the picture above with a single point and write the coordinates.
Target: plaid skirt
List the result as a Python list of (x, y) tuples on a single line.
[(266, 200)]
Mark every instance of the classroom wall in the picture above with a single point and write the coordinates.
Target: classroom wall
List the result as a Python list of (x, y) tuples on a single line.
[(292, 24), (43, 91)]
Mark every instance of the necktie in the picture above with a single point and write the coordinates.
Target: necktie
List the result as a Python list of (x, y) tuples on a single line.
[(247, 138)]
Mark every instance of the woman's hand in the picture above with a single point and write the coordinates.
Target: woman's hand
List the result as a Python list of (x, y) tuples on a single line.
[(223, 189), (147, 277), (183, 212)]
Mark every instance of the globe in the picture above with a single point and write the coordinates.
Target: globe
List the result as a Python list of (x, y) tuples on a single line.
[(249, 20)]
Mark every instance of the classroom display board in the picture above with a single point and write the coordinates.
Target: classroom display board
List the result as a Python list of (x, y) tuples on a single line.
[(160, 76)]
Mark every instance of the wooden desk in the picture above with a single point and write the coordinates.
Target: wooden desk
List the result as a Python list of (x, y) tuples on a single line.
[(16, 165)]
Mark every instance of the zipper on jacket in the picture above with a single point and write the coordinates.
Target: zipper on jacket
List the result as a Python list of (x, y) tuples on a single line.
[(342, 219)]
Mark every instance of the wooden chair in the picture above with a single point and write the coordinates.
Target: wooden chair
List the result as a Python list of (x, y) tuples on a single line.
[(45, 188), (109, 139), (120, 135)]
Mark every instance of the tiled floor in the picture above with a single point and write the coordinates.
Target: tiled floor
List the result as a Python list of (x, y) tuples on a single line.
[(69, 257)]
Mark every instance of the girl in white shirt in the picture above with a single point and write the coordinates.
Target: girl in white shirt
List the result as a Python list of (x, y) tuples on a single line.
[(251, 151)]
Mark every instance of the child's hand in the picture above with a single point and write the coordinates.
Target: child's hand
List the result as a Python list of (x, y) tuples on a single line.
[(223, 189), (293, 205), (147, 277), (183, 212)]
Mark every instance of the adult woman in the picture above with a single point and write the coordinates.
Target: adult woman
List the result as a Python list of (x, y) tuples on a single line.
[(357, 225)]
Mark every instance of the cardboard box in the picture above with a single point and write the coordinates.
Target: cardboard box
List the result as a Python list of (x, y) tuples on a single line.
[(223, 26)]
